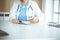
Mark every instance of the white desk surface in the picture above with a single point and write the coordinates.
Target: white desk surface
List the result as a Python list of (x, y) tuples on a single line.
[(38, 30)]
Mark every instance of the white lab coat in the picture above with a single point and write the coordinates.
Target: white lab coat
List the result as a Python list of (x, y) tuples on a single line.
[(35, 13)]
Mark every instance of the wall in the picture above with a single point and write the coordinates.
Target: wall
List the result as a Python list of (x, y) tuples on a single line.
[(5, 5), (9, 4), (2, 5), (39, 3)]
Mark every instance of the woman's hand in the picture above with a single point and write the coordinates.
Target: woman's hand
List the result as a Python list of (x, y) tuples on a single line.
[(15, 21), (34, 20)]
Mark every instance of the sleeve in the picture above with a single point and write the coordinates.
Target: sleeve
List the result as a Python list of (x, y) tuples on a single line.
[(37, 11), (13, 11)]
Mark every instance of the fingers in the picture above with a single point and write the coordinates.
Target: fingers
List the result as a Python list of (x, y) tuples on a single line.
[(15, 21), (34, 20)]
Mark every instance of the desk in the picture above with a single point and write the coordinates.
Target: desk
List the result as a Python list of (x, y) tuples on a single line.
[(21, 31)]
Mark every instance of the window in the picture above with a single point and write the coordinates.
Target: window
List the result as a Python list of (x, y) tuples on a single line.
[(56, 11)]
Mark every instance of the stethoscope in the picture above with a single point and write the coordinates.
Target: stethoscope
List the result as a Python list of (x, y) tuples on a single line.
[(30, 7)]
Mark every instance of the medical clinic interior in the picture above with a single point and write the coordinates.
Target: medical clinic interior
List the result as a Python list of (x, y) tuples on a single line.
[(48, 28)]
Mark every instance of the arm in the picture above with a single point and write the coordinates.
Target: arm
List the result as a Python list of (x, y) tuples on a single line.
[(38, 14), (13, 13)]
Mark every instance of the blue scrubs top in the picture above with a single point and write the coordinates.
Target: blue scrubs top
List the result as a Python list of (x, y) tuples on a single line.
[(22, 13)]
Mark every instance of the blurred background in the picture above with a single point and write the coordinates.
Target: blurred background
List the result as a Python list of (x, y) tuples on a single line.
[(49, 28)]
